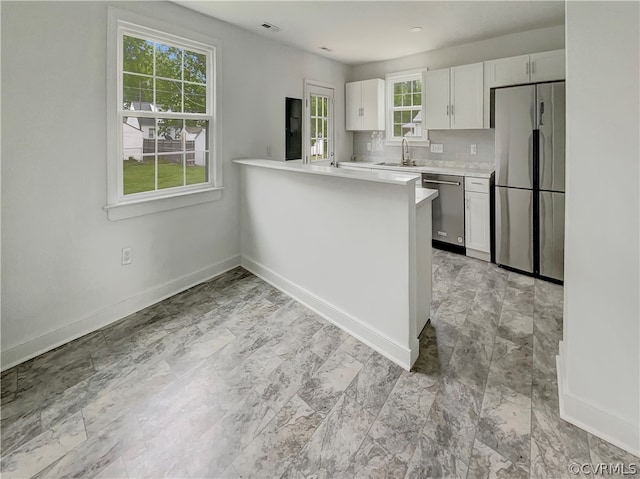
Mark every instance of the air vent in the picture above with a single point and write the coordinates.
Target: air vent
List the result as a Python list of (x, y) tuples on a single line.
[(326, 49), (271, 27)]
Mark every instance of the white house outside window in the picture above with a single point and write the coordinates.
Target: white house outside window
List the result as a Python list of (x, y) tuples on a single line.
[(404, 106), (165, 108)]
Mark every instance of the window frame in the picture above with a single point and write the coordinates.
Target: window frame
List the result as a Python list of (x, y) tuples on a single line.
[(119, 205), (390, 80)]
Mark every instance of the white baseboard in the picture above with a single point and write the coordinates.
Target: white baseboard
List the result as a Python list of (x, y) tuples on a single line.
[(593, 419), (472, 253), (404, 357), (109, 314)]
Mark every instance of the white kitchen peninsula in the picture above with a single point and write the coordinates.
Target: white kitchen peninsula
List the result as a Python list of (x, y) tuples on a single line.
[(352, 245)]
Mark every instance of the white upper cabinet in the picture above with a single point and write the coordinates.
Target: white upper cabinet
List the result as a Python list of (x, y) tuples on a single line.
[(454, 98), (365, 105), (466, 96), (547, 66), (507, 71), (436, 97)]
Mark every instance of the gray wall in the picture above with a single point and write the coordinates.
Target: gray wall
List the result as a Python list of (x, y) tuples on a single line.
[(61, 255)]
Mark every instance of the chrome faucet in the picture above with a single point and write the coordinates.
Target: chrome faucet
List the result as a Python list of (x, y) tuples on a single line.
[(405, 152)]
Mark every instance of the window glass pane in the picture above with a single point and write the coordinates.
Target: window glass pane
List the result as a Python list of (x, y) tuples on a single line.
[(417, 99), (195, 67), (138, 174), (169, 95), (416, 116), (137, 92), (326, 149), (325, 128), (136, 133), (313, 128), (170, 170), (197, 167), (195, 98), (316, 150), (406, 132), (325, 108), (169, 130), (406, 116), (313, 106), (168, 61), (397, 100), (406, 87), (195, 135), (397, 130), (397, 117), (137, 55), (416, 86)]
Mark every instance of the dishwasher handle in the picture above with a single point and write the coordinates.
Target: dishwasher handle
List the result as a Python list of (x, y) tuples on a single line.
[(441, 182)]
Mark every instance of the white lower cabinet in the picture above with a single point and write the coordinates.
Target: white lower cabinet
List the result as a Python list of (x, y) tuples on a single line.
[(477, 218)]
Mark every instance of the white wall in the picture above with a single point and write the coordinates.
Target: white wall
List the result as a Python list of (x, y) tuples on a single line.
[(532, 41), (61, 273), (599, 362)]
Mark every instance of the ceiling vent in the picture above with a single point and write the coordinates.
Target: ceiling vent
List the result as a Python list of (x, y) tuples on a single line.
[(271, 27)]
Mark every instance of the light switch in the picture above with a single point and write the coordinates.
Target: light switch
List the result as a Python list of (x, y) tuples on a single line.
[(437, 148), (474, 149)]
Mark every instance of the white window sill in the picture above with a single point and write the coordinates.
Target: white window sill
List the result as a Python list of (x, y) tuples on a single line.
[(411, 143), (131, 209)]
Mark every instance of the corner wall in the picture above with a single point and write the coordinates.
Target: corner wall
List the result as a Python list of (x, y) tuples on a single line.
[(599, 362), (61, 272)]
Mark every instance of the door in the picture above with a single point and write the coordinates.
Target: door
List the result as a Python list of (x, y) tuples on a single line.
[(477, 221), (551, 124), (436, 95), (514, 228), (353, 107), (514, 124), (319, 135), (508, 71), (547, 66), (467, 96), (551, 235)]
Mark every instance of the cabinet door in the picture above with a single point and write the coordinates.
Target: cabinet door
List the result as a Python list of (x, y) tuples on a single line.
[(373, 104), (353, 106), (477, 224), (508, 71), (547, 66), (467, 96), (436, 93)]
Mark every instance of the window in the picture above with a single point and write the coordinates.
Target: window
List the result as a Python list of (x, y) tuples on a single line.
[(319, 132), (404, 106), (164, 106)]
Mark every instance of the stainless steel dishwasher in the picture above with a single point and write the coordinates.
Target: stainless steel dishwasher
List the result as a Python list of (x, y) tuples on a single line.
[(447, 210)]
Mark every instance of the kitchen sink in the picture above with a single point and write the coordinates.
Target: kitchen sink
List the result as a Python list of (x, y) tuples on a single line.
[(392, 164)]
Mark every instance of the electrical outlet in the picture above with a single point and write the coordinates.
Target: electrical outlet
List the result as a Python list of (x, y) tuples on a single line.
[(474, 149), (126, 256), (437, 148)]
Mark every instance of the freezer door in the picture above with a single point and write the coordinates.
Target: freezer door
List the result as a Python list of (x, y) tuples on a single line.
[(551, 123), (514, 228), (552, 235), (514, 111)]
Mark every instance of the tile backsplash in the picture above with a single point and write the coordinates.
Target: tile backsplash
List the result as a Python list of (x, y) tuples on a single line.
[(456, 146)]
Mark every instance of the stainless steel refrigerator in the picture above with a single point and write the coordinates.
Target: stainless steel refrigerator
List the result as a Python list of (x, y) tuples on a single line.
[(529, 126)]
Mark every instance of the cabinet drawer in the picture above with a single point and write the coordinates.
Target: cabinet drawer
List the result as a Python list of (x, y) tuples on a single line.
[(480, 185)]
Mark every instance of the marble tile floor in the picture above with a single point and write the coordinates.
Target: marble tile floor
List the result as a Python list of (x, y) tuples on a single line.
[(232, 378)]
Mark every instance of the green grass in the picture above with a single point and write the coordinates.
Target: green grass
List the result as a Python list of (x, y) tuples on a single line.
[(140, 176)]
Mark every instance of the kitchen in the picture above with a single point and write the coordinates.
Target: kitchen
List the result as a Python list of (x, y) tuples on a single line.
[(63, 277)]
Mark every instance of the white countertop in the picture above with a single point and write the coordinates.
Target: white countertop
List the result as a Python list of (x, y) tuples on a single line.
[(384, 175), (472, 172), (425, 194)]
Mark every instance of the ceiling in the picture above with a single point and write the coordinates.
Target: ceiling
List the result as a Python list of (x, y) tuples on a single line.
[(367, 31)]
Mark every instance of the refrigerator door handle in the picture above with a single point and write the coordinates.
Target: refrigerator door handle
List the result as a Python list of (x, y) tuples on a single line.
[(541, 112)]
